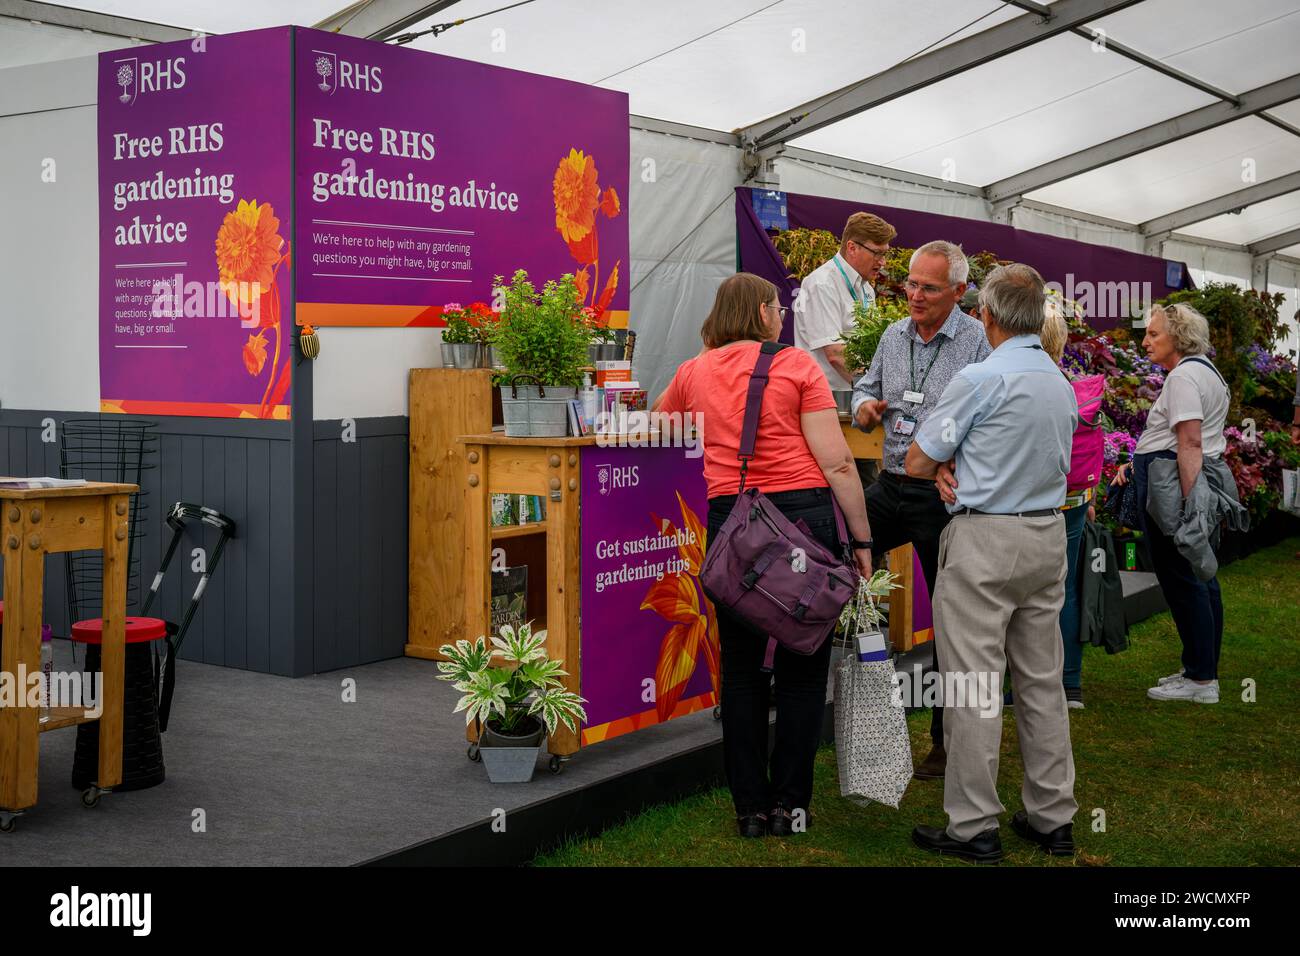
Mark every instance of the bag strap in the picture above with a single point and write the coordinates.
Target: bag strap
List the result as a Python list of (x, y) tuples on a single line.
[(753, 405), (1208, 364)]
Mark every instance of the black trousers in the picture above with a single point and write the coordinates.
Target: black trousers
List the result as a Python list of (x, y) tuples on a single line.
[(1196, 605), (759, 783), (902, 512)]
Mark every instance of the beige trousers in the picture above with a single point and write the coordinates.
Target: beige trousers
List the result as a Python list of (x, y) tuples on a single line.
[(997, 604)]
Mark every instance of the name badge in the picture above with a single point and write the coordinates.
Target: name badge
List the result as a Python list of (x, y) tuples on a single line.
[(903, 425), (915, 398)]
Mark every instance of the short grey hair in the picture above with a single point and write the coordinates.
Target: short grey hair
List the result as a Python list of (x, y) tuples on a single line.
[(1188, 329), (958, 267), (1016, 298)]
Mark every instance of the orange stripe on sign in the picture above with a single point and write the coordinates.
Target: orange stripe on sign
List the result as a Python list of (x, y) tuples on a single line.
[(130, 406), (392, 316), (647, 718)]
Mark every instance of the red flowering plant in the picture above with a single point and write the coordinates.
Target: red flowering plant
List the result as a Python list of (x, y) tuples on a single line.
[(1257, 471)]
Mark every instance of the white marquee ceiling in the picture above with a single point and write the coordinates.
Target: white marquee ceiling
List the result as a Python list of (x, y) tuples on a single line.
[(727, 64)]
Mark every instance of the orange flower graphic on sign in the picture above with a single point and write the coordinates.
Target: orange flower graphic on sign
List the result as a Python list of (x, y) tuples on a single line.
[(250, 251), (679, 598), (578, 197)]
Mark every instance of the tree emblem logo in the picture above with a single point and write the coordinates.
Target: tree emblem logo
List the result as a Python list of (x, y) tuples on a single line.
[(125, 77), (326, 66)]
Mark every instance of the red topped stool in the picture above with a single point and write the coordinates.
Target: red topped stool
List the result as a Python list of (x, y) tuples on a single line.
[(142, 757), (150, 677)]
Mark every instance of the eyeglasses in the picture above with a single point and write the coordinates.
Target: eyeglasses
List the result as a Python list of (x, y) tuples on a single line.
[(926, 290), (780, 310), (878, 253)]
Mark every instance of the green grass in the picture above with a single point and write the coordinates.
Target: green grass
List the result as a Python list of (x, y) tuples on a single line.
[(1181, 784)]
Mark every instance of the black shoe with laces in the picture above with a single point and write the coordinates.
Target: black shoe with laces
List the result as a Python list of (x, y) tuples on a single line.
[(752, 824)]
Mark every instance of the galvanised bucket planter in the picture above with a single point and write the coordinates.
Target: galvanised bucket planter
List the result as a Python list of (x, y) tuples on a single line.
[(531, 411)]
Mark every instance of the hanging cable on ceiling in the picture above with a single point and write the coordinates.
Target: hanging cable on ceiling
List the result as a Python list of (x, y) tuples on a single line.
[(439, 28)]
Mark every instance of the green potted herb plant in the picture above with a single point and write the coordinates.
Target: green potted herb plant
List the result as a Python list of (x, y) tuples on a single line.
[(515, 703), (541, 340), (861, 342), (461, 347)]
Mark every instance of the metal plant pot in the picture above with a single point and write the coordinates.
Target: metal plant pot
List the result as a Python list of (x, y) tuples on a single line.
[(843, 400), (604, 352), (535, 411), (494, 359), (460, 355), (511, 758)]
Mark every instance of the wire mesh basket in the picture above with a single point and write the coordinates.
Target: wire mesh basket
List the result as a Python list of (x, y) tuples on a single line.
[(116, 450)]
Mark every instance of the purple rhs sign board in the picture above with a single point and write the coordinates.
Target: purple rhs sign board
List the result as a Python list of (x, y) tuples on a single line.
[(650, 647), (253, 179), (420, 177), (194, 189)]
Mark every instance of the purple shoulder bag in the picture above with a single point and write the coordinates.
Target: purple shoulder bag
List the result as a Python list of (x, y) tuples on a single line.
[(771, 572)]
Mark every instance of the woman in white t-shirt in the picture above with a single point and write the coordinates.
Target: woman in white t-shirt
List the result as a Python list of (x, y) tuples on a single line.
[(1186, 423)]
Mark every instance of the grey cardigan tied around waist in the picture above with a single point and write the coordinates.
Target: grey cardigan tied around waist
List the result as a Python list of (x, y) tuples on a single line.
[(1194, 523)]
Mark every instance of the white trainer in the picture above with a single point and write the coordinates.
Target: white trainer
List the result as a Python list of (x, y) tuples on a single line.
[(1184, 689), (1171, 678)]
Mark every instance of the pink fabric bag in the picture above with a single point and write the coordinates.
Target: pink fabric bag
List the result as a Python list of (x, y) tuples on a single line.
[(1087, 451)]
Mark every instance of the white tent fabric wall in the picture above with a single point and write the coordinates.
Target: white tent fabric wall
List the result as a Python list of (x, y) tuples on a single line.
[(1067, 227), (817, 179), (1210, 263), (674, 182), (1284, 277)]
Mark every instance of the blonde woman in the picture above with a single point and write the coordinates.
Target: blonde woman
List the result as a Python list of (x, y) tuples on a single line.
[(1186, 424)]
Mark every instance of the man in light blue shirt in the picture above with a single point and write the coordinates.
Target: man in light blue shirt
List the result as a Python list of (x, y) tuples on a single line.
[(1008, 422)]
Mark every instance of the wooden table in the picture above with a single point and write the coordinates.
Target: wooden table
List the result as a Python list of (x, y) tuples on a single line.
[(38, 522), (548, 467)]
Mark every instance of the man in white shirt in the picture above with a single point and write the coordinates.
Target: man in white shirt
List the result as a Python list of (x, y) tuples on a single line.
[(823, 309)]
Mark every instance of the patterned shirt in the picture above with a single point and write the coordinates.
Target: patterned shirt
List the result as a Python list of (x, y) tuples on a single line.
[(904, 363)]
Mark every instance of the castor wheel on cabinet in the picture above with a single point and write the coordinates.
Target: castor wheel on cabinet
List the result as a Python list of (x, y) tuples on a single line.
[(473, 754), (557, 764), (717, 712), (7, 821), (90, 796)]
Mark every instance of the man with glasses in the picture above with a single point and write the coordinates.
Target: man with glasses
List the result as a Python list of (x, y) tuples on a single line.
[(823, 308), (916, 359)]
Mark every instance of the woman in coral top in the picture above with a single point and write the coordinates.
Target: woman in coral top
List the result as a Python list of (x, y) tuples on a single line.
[(800, 460)]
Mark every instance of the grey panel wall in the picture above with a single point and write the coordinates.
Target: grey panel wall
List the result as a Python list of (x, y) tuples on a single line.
[(242, 468), (360, 508)]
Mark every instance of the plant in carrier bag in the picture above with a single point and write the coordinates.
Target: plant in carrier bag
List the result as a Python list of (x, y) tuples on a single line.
[(871, 743)]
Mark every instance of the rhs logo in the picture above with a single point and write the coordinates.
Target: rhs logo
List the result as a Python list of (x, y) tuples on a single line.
[(327, 70), (335, 73), (151, 76), (127, 70), (611, 478)]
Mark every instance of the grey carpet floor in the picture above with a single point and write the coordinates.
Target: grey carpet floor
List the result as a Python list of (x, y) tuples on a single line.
[(286, 773)]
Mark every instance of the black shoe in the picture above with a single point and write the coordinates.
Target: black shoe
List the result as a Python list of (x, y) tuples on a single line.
[(933, 766), (1060, 842), (752, 824), (780, 822), (984, 848), (1074, 698)]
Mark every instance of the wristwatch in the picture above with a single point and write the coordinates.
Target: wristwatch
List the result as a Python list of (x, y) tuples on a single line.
[(857, 545)]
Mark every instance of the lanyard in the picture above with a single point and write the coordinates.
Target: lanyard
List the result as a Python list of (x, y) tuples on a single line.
[(911, 361), (845, 276)]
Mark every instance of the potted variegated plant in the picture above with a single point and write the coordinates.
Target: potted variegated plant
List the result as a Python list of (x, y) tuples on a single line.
[(515, 703)]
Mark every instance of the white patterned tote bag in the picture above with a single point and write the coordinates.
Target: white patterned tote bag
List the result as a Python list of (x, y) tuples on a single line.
[(871, 741)]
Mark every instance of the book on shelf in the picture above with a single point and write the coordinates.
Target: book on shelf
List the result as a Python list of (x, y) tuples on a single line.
[(578, 423), (509, 597)]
